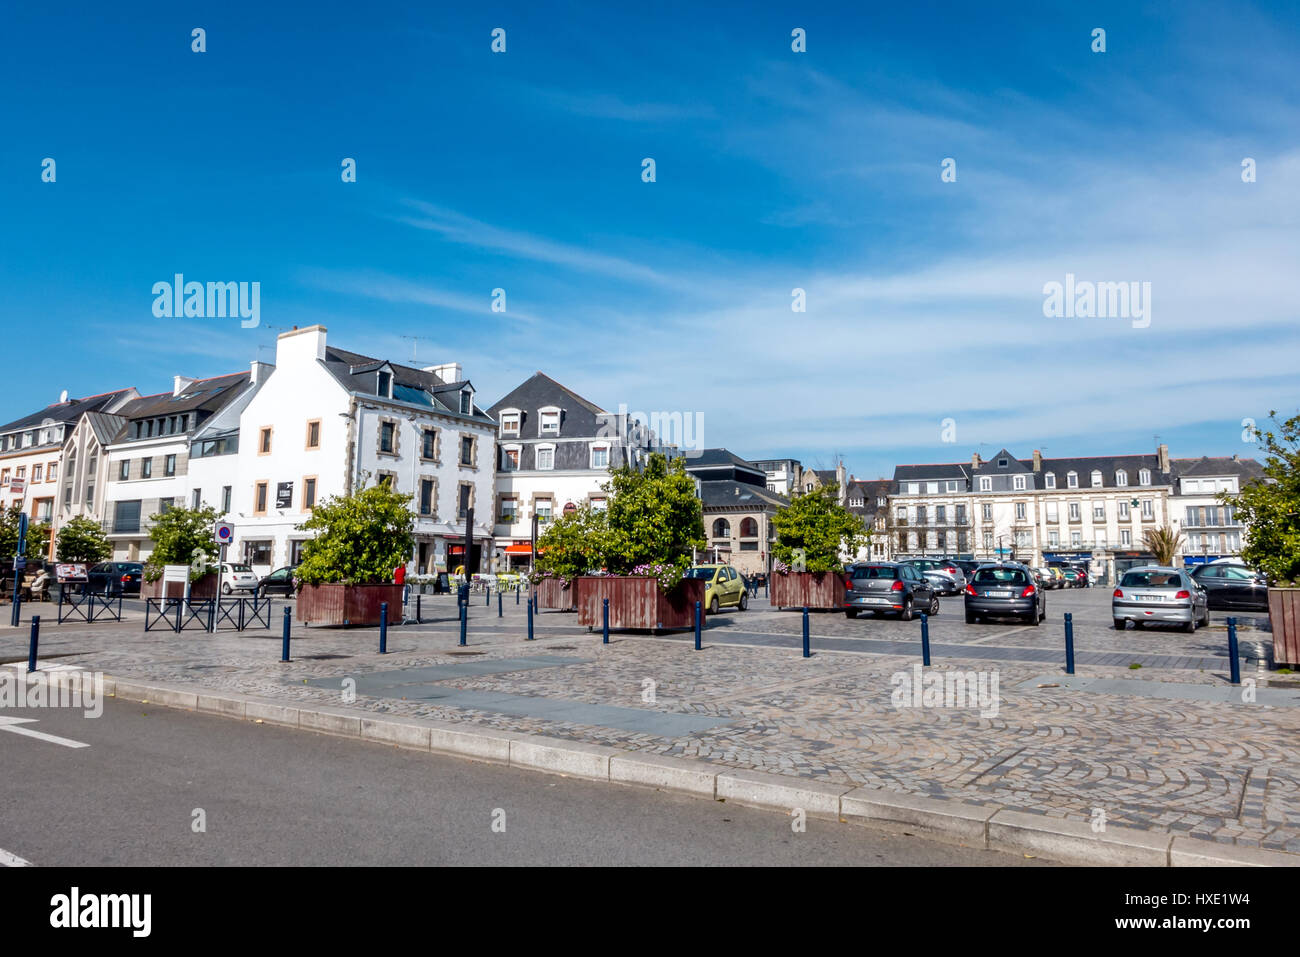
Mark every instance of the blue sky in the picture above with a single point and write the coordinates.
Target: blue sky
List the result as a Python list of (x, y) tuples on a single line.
[(775, 170)]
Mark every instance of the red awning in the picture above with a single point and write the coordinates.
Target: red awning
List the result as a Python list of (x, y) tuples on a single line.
[(519, 549)]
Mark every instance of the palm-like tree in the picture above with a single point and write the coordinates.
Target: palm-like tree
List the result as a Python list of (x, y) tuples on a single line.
[(1163, 543)]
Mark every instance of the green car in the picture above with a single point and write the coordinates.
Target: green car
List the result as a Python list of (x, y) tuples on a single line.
[(725, 587)]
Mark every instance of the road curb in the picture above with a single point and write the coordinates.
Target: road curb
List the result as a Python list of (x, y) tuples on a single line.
[(990, 826)]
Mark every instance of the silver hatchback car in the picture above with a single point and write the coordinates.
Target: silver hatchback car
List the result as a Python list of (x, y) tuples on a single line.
[(1159, 594)]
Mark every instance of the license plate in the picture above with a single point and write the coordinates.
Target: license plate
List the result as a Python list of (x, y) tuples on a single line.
[(997, 594), (876, 601), (1150, 597)]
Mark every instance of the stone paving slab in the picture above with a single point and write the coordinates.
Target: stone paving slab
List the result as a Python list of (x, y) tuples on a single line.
[(1230, 695), (1187, 767)]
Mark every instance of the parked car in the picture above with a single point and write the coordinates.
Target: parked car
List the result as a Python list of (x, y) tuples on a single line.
[(1160, 594), (1046, 578), (724, 586), (1005, 590), (1232, 586), (949, 577), (279, 582), (115, 578), (888, 588), (1071, 578), (237, 578)]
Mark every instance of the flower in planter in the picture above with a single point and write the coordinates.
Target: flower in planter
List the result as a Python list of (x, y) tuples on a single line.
[(667, 576), (780, 567)]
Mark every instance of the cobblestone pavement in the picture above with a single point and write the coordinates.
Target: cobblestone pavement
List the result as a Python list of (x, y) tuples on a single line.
[(1228, 772)]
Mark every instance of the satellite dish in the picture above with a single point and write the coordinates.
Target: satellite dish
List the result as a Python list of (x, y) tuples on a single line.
[(63, 396)]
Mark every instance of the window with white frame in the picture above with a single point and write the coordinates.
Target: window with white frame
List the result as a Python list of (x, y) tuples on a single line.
[(987, 513), (1099, 511), (509, 458), (1018, 483), (1053, 538), (1144, 477), (1125, 537), (549, 423), (1072, 480), (1074, 511), (1076, 539), (1148, 508), (1096, 478), (1121, 478), (1020, 511), (600, 456), (1049, 480), (1053, 514), (509, 421), (542, 509), (1123, 509), (986, 484), (545, 458)]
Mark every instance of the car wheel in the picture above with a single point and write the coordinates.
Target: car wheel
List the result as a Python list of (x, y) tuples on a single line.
[(906, 613), (934, 605), (744, 602), (713, 605), (1033, 618), (225, 588), (850, 613), (1119, 624), (970, 618), (1043, 615), (1190, 626)]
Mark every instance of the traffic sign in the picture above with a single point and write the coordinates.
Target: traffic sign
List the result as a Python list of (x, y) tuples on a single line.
[(18, 485), (225, 533)]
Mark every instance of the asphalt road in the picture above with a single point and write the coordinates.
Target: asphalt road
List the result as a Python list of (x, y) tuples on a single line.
[(275, 796)]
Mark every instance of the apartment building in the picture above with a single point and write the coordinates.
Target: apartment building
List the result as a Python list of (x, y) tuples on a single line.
[(869, 500), (328, 421), (32, 450), (149, 459), (738, 510), (1209, 527), (783, 475), (555, 451)]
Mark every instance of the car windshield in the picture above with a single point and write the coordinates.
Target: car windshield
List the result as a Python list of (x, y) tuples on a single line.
[(1152, 578), (875, 571), (705, 573), (1000, 576), (242, 569)]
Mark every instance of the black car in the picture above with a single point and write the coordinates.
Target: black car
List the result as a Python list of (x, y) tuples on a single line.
[(279, 582), (888, 588), (115, 578), (1005, 590), (1232, 587)]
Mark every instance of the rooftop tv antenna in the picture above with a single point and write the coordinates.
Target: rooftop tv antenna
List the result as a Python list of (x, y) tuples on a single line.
[(415, 341)]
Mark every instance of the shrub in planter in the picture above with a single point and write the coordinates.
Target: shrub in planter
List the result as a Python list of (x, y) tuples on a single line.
[(812, 532), (183, 536), (347, 569)]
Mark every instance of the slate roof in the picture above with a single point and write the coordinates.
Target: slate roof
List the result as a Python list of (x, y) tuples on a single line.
[(356, 373), (202, 395), (1217, 466), (942, 470), (726, 493), (68, 411), (1109, 465)]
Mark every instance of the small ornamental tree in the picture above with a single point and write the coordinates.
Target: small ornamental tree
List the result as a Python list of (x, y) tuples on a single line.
[(812, 530), (182, 536), (1163, 543), (360, 538), (82, 540), (1270, 509), (38, 540), (654, 518), (9, 531), (573, 545)]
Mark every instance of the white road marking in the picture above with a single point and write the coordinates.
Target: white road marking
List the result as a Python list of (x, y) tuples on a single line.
[(998, 634), (12, 860), (11, 725)]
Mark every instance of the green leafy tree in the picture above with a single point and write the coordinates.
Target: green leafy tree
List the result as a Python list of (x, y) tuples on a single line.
[(654, 516), (1163, 543), (82, 540), (9, 531), (1271, 508), (182, 536), (360, 538), (812, 530), (574, 544), (38, 540)]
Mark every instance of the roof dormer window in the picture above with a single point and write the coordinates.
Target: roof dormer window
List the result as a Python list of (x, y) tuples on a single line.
[(1144, 477), (549, 423), (1096, 478), (1072, 479), (1002, 463), (384, 385), (466, 402)]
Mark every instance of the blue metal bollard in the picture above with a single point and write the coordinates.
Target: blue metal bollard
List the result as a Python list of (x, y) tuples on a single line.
[(807, 649), (284, 645), (36, 640), (417, 610), (499, 600), (1069, 643), (518, 591), (605, 626), (925, 639), (487, 597), (1233, 661), (698, 613), (383, 628), (530, 620), (464, 621)]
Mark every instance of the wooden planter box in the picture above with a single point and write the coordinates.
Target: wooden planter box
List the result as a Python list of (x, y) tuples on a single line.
[(554, 595), (1284, 615), (338, 604), (823, 590), (638, 602), (205, 587)]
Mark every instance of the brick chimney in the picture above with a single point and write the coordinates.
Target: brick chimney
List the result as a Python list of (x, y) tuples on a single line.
[(975, 460), (1038, 466), (1163, 452), (841, 479)]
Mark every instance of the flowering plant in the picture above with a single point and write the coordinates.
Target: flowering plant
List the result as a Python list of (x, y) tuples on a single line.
[(668, 576), (780, 567)]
